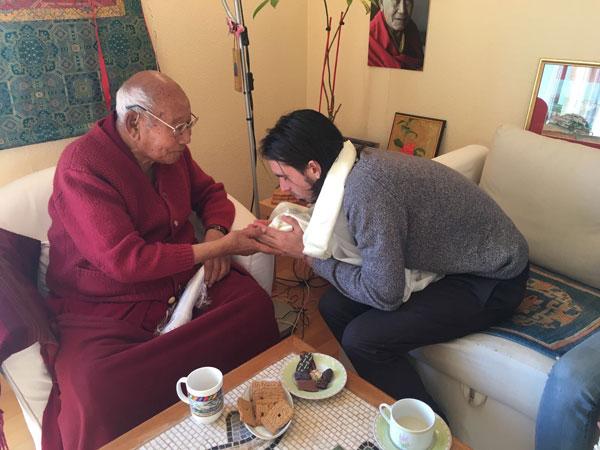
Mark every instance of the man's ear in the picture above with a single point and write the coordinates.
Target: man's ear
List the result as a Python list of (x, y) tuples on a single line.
[(313, 170), (132, 124)]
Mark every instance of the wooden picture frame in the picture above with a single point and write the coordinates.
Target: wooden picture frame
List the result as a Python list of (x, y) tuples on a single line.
[(416, 135), (565, 101)]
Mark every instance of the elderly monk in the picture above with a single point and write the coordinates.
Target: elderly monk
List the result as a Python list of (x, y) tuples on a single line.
[(121, 251), (394, 39)]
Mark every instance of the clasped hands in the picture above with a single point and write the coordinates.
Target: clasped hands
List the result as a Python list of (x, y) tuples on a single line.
[(281, 243), (256, 237)]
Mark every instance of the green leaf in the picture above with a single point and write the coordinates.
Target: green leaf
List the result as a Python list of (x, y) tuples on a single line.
[(274, 3), (398, 143), (348, 2), (419, 151), (262, 5), (367, 5), (409, 132)]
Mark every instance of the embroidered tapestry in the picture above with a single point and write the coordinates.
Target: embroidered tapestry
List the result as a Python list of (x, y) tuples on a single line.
[(556, 314), (50, 72)]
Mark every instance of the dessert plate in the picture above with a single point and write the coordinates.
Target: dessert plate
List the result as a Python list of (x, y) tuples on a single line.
[(442, 439), (260, 431), (322, 362)]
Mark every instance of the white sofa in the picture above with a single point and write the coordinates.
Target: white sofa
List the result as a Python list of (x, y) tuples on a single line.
[(24, 210), (491, 387)]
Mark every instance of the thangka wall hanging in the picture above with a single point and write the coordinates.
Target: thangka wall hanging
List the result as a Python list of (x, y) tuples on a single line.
[(54, 81)]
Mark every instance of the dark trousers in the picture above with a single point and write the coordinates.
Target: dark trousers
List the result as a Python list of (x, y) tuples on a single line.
[(377, 342)]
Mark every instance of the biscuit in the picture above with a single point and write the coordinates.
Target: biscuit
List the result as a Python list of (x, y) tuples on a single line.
[(266, 390), (278, 416), (246, 412), (261, 408)]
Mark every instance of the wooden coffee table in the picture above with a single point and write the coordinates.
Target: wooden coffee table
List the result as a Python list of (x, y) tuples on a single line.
[(179, 411)]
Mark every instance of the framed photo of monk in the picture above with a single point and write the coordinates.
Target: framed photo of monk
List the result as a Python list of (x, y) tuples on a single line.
[(397, 33), (416, 135)]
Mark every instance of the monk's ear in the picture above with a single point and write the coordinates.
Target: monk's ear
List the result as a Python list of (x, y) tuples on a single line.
[(132, 124)]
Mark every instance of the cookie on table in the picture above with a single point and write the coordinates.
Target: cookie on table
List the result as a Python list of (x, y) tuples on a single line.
[(267, 390), (246, 411), (279, 414)]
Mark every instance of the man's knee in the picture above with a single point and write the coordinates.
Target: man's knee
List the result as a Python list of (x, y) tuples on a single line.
[(328, 304), (360, 340)]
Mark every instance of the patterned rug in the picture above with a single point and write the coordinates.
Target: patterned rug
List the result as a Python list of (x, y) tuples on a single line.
[(49, 69), (556, 314)]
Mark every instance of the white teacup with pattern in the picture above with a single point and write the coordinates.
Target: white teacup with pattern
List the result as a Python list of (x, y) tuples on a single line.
[(204, 393), (411, 423)]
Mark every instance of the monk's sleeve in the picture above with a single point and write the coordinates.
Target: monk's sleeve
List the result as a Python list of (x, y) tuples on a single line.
[(209, 198), (379, 228), (95, 217)]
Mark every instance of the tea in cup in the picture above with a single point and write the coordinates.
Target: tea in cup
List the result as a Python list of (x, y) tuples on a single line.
[(411, 423), (204, 393)]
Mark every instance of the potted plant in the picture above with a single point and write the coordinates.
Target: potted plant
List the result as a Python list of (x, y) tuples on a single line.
[(329, 70)]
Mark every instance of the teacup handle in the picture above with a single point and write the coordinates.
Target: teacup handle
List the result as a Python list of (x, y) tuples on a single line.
[(182, 396), (386, 412)]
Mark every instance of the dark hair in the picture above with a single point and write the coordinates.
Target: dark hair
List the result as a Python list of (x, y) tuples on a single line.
[(301, 136)]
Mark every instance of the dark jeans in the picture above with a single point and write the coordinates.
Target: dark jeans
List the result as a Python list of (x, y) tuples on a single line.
[(377, 342)]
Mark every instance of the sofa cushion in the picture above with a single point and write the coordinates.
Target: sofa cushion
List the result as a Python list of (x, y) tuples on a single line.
[(23, 315), (550, 190), (556, 314)]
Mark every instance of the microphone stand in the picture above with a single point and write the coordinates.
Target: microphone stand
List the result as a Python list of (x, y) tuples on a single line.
[(237, 26)]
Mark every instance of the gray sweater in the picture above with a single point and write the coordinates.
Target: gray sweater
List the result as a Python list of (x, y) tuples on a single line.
[(409, 212)]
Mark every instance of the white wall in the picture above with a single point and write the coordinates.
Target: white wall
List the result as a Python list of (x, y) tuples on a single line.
[(480, 65)]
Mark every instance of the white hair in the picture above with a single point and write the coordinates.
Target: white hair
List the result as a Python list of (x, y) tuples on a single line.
[(131, 95)]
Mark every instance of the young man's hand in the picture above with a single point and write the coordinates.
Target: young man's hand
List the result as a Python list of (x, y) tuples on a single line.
[(289, 243)]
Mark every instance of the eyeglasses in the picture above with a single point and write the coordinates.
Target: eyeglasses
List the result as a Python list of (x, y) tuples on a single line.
[(178, 130)]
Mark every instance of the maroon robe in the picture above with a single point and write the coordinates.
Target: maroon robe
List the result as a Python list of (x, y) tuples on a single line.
[(120, 247), (384, 53)]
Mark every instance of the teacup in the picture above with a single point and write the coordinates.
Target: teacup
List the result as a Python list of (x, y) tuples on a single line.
[(204, 393), (411, 423)]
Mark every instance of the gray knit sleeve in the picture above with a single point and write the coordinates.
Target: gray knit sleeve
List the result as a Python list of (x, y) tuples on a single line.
[(379, 282)]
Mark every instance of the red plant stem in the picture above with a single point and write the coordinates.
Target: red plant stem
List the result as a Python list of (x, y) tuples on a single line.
[(337, 52), (324, 63)]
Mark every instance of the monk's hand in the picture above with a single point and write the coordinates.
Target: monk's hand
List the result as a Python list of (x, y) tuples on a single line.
[(288, 242), (216, 268), (246, 242)]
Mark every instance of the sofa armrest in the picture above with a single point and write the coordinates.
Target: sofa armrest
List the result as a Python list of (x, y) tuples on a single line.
[(260, 265), (467, 160)]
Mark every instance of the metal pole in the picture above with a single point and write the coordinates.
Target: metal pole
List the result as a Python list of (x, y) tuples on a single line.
[(248, 87)]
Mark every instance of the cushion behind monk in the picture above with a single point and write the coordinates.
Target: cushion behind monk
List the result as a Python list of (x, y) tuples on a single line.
[(24, 318)]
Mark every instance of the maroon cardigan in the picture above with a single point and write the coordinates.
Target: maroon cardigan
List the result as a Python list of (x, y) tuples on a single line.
[(117, 240)]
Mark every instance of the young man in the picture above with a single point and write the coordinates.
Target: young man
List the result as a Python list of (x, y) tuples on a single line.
[(403, 212)]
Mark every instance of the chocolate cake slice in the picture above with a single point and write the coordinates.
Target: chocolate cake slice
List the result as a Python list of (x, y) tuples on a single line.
[(305, 366)]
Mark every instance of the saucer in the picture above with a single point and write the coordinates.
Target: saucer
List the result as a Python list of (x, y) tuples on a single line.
[(322, 362), (442, 439)]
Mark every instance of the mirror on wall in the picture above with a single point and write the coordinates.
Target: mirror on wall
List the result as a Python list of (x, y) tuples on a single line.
[(565, 103)]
